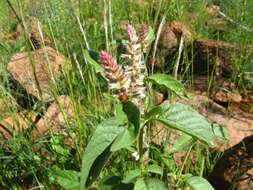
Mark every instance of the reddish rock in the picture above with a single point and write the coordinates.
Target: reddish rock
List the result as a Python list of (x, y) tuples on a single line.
[(55, 118), (180, 28), (36, 34), (36, 71), (16, 123)]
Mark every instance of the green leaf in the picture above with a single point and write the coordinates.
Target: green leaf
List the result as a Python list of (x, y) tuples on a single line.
[(168, 82), (125, 139), (98, 68), (102, 138), (68, 179), (97, 166), (151, 35), (199, 183), (220, 132), (183, 142), (120, 114), (140, 185), (131, 176), (155, 169), (113, 183), (169, 163), (133, 114), (153, 112), (150, 184), (184, 118)]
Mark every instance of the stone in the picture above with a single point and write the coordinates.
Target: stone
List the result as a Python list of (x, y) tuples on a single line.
[(56, 117), (179, 28), (36, 71), (235, 167), (35, 32), (16, 123), (213, 10), (168, 39)]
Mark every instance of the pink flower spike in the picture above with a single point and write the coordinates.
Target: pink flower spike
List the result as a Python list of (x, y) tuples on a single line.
[(131, 33)]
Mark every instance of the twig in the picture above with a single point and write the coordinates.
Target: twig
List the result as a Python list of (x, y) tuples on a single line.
[(180, 50), (234, 22), (159, 31)]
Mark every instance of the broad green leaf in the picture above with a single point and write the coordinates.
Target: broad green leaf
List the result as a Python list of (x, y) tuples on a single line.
[(168, 82), (68, 179), (98, 68), (183, 142), (140, 185), (125, 139), (220, 132), (131, 176), (102, 138), (113, 183), (199, 183), (155, 184), (133, 114), (155, 169), (184, 118), (150, 184), (97, 166)]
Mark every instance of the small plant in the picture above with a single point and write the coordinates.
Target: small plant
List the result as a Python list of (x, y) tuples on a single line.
[(134, 114)]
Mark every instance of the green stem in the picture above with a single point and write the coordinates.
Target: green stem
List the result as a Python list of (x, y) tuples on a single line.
[(140, 143)]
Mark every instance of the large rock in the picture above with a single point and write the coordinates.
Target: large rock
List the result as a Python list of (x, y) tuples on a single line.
[(36, 71), (58, 115)]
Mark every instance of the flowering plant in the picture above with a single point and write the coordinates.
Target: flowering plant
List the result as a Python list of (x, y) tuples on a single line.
[(131, 84)]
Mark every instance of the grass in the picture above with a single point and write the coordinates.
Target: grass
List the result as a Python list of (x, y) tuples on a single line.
[(73, 27)]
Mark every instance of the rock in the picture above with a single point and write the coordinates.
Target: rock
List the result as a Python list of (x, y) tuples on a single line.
[(158, 97), (16, 123), (213, 10), (235, 167), (239, 125), (36, 71), (168, 40), (179, 28), (35, 32), (218, 24), (55, 118)]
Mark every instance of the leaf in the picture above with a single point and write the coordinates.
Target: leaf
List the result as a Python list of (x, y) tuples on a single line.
[(199, 183), (131, 176), (103, 137), (220, 132), (183, 142), (120, 114), (113, 183), (169, 163), (168, 82), (140, 185), (97, 166), (125, 139), (68, 179), (155, 184), (184, 118), (153, 112), (151, 35), (98, 68), (155, 169), (150, 184), (133, 114)]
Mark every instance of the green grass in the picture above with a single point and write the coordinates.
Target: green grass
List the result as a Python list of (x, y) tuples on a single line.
[(73, 25)]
